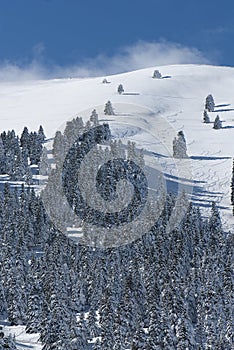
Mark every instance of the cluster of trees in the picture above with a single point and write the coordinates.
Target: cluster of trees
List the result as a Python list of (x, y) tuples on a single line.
[(209, 107), (53, 195), (165, 290), (74, 128), (24, 228), (17, 154)]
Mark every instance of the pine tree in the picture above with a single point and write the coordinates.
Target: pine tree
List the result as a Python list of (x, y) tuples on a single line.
[(217, 123), (3, 303), (232, 187), (120, 89), (94, 117), (93, 329), (2, 158), (28, 178), (59, 147), (215, 221), (41, 134), (35, 148), (44, 166), (179, 146), (157, 74), (206, 118), (24, 139), (34, 310), (108, 110), (209, 104)]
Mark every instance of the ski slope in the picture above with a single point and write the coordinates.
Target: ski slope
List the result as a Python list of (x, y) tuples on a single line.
[(150, 112), (174, 103)]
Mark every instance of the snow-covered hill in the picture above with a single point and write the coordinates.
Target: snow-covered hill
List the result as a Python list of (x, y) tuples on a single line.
[(150, 112), (160, 107)]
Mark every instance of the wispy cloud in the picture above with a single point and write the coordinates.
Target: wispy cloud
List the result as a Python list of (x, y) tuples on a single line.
[(219, 30), (140, 55)]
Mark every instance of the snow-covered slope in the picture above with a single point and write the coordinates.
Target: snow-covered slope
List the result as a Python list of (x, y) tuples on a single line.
[(150, 112), (159, 106)]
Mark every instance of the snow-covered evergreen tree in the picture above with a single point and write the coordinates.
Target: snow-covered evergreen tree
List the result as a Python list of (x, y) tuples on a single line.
[(24, 139), (157, 74), (217, 123), (44, 165), (94, 117), (59, 147), (41, 134), (232, 187), (210, 104), (120, 89), (179, 146), (108, 110), (206, 118), (2, 158)]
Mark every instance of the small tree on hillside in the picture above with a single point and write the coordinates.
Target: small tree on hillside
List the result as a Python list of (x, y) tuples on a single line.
[(157, 74), (210, 105), (179, 146), (232, 187), (94, 117), (206, 118), (120, 89), (217, 123), (41, 134), (44, 165), (109, 109)]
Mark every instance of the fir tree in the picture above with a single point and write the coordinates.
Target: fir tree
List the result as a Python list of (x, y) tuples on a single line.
[(217, 123), (41, 134), (2, 158), (179, 146), (108, 110), (209, 104), (120, 89), (94, 117), (25, 138), (232, 187), (44, 165), (206, 118), (157, 74)]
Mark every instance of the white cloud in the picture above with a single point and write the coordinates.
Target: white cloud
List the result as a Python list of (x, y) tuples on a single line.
[(15, 72), (140, 55), (147, 54)]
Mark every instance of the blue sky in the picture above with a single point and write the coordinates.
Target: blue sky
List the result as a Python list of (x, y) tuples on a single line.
[(62, 37)]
